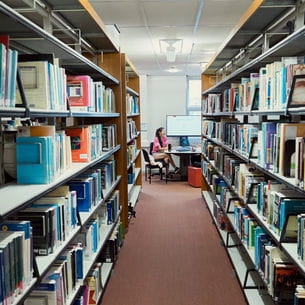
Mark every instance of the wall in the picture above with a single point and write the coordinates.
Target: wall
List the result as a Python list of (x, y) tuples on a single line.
[(160, 95)]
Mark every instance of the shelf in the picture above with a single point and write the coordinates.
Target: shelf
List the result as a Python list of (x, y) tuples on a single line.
[(290, 46), (44, 262), (36, 40), (95, 114), (85, 216), (241, 259), (131, 185), (132, 139), (129, 115), (248, 29), (135, 158), (107, 230), (21, 195), (132, 92), (284, 180), (290, 249), (134, 196), (291, 111), (106, 272), (20, 298)]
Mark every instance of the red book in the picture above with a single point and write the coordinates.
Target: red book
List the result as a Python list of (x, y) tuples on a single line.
[(79, 93), (79, 144)]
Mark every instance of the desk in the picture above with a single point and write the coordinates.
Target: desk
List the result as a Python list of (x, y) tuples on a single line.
[(185, 159)]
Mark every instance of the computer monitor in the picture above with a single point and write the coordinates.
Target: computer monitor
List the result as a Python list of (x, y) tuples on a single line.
[(183, 125)]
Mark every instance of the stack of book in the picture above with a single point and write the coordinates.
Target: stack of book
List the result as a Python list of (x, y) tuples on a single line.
[(108, 172), (42, 154), (132, 104), (16, 259), (44, 83), (8, 73), (88, 188), (61, 279), (86, 95), (269, 89), (131, 152), (52, 218), (131, 129), (109, 137)]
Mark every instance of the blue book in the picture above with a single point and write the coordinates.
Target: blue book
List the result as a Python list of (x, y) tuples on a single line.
[(109, 213), (7, 101), (2, 277), (290, 206), (258, 231), (83, 191), (33, 156), (79, 263), (51, 86), (93, 224), (13, 78)]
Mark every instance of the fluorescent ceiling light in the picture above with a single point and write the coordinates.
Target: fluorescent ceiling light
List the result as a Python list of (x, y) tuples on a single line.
[(171, 47), (173, 69)]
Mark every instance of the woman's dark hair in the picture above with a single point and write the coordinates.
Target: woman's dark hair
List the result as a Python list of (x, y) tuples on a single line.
[(158, 131)]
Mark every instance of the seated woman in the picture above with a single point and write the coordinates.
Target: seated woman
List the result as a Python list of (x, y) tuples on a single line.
[(160, 145)]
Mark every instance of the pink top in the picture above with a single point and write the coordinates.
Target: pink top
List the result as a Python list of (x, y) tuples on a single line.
[(156, 144)]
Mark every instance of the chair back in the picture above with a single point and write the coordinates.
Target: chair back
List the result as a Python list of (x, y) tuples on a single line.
[(151, 146), (146, 156)]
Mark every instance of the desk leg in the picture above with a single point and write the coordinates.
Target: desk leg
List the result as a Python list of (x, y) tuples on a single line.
[(185, 161)]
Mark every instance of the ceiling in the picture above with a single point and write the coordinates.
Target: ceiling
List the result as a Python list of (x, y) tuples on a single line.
[(202, 24)]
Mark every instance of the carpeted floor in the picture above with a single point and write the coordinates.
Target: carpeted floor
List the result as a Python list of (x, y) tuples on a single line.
[(172, 254)]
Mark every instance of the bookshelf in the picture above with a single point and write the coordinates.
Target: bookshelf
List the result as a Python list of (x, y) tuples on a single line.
[(80, 40), (133, 89), (239, 56)]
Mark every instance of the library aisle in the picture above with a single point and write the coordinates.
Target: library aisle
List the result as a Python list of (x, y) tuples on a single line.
[(172, 253)]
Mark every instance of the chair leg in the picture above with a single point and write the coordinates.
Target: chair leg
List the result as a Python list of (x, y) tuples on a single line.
[(145, 172), (149, 175), (161, 173), (166, 174)]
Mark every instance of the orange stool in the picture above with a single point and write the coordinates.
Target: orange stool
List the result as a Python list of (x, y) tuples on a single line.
[(194, 176)]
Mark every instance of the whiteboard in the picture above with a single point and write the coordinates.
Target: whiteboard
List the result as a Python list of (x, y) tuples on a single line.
[(183, 125)]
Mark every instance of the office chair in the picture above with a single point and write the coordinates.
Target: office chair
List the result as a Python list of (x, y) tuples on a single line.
[(149, 167)]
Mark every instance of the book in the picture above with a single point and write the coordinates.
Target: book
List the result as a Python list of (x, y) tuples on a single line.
[(34, 158), (79, 92)]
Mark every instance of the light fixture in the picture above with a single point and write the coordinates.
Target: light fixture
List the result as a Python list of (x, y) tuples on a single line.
[(170, 47), (173, 69)]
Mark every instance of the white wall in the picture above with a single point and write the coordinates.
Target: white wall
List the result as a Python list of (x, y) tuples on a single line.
[(160, 95)]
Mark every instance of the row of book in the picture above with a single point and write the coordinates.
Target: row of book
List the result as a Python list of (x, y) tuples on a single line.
[(277, 271), (46, 85), (131, 152), (131, 129), (16, 259), (276, 203), (8, 73), (278, 147), (41, 229), (86, 95), (67, 274), (132, 104), (270, 89), (42, 153)]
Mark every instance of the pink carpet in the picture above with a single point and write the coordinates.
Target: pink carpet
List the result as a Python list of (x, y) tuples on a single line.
[(172, 253)]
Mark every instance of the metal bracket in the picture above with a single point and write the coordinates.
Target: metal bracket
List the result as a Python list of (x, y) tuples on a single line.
[(227, 240), (31, 7), (246, 280), (299, 14)]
